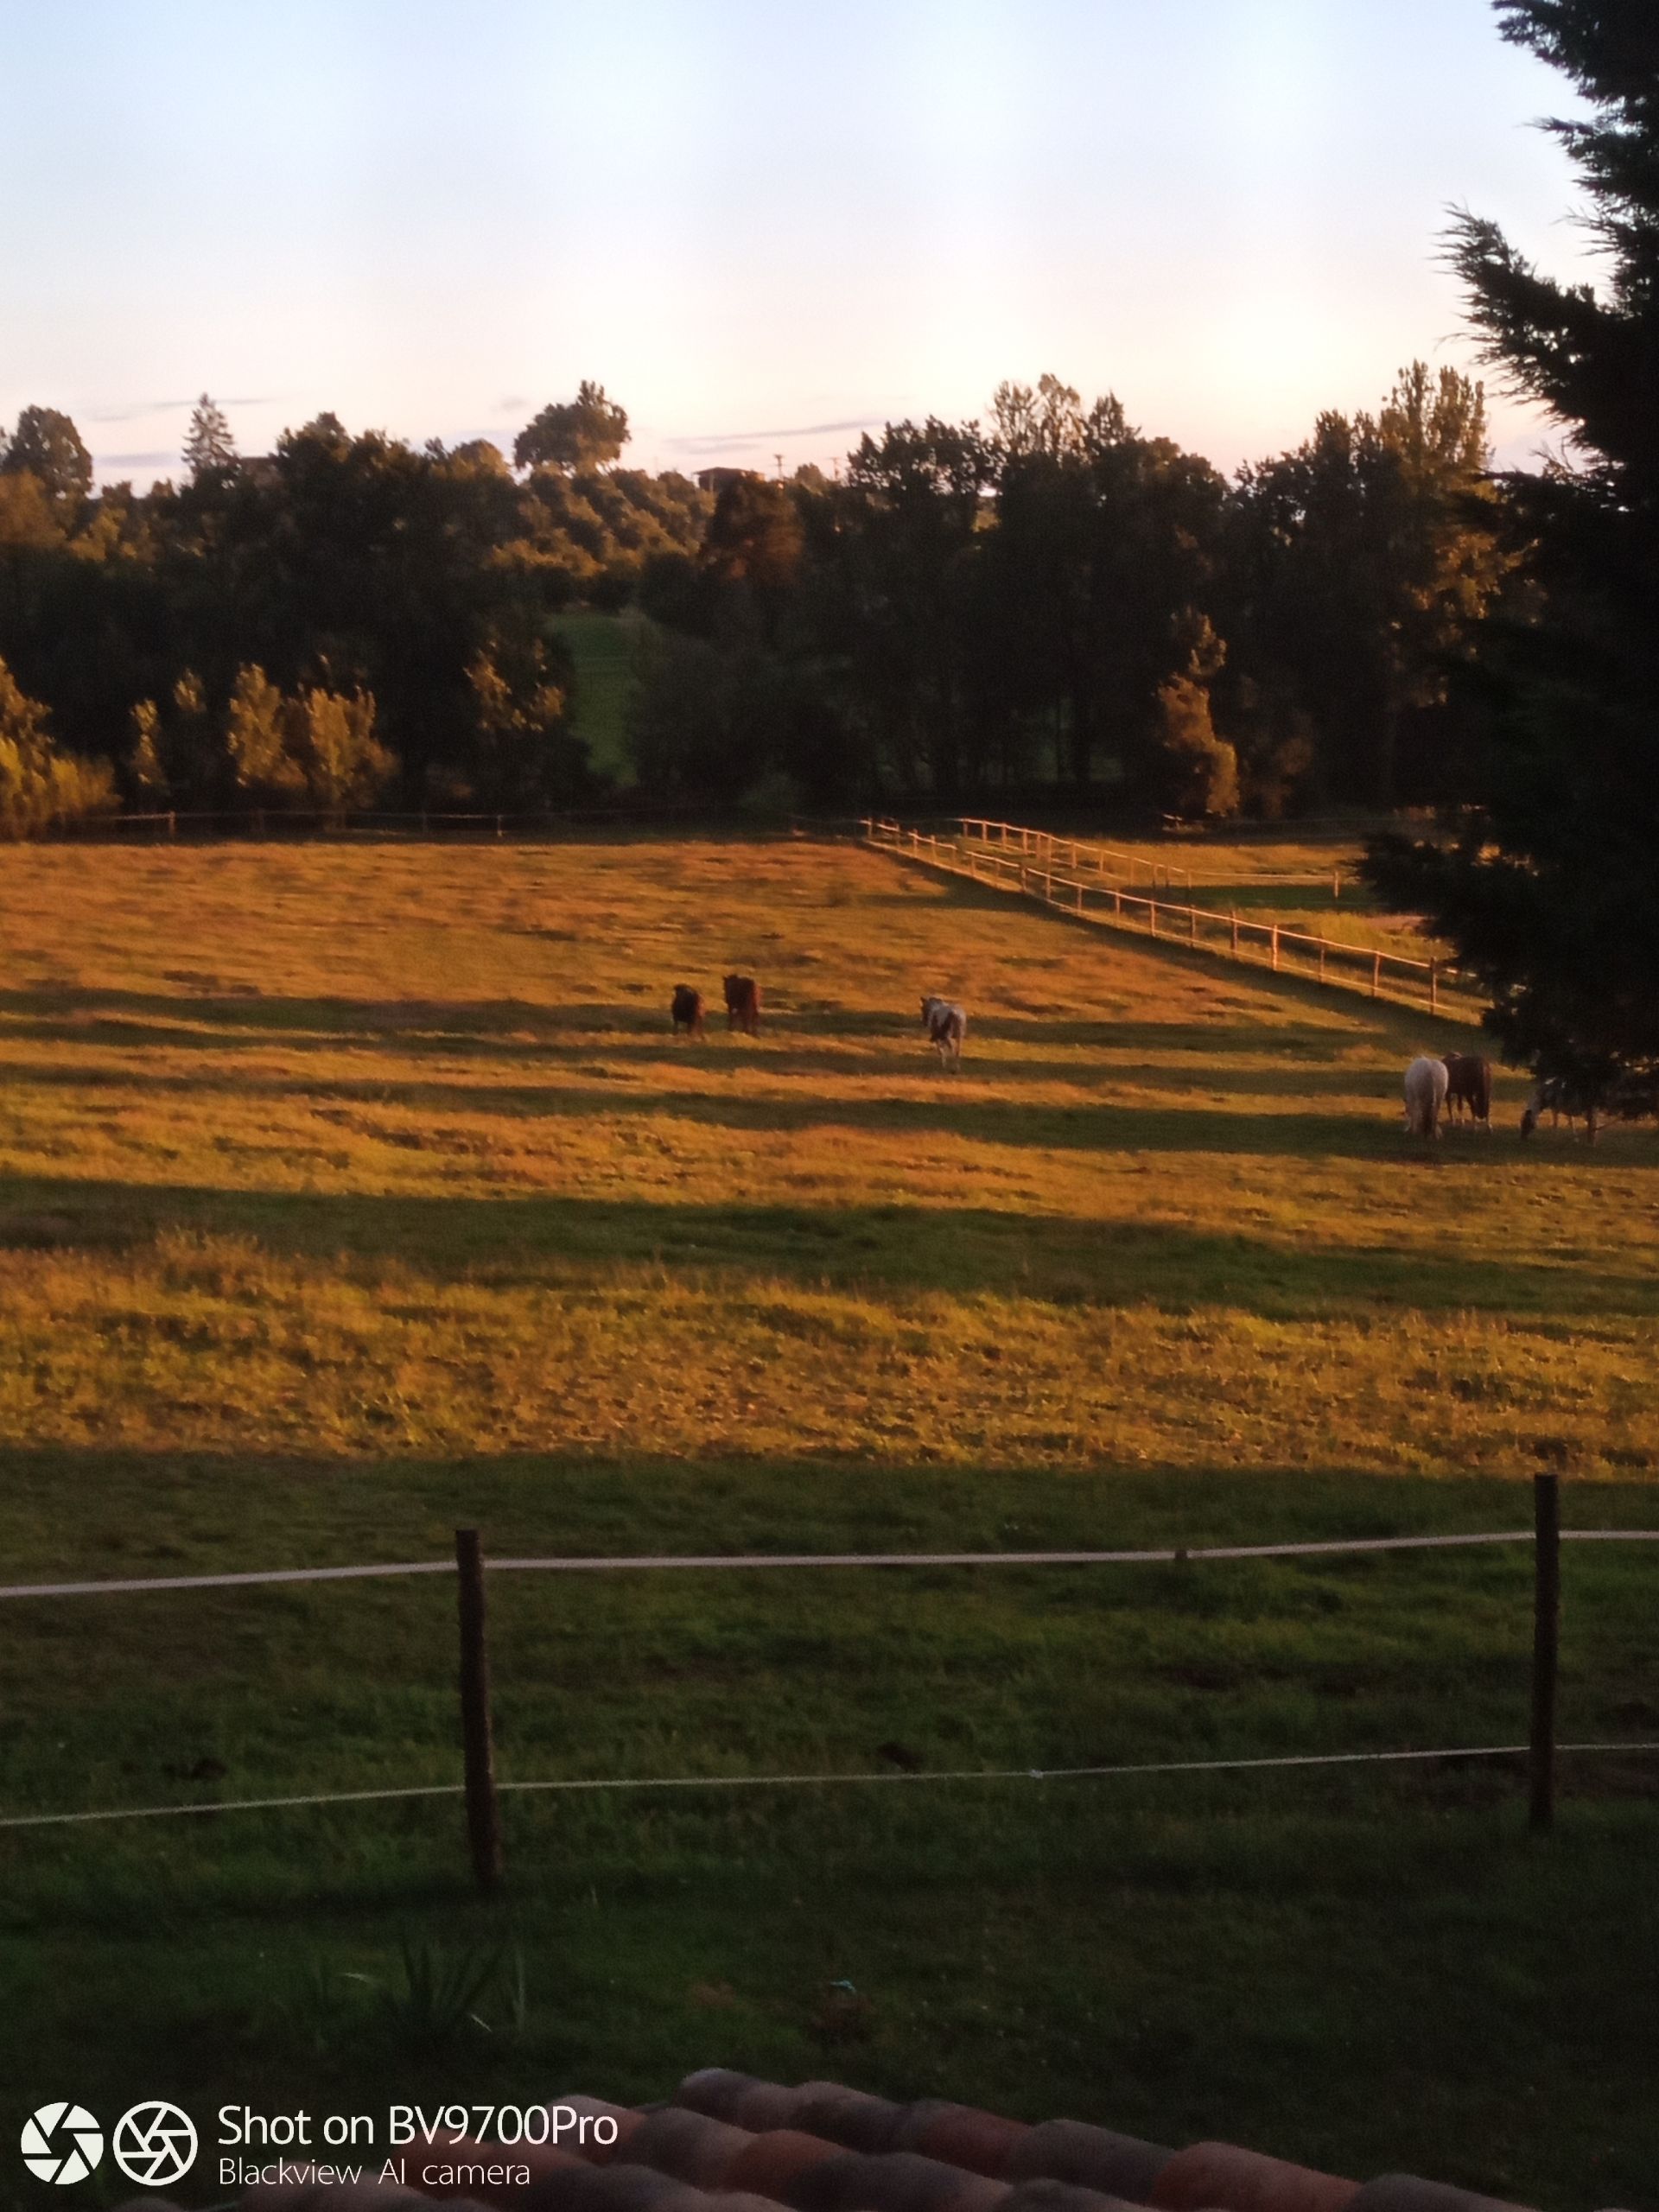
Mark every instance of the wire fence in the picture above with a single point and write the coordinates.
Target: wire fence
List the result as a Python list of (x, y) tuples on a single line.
[(481, 1790), (258, 824), (1432, 984)]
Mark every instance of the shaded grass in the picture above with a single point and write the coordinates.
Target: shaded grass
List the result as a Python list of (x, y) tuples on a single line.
[(1313, 1962)]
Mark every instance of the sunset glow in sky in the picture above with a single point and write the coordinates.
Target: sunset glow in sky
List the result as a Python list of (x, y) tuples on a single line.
[(762, 225)]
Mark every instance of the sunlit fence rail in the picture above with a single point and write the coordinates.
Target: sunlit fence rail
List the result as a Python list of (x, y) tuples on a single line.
[(482, 1789), (1111, 863), (1432, 984)]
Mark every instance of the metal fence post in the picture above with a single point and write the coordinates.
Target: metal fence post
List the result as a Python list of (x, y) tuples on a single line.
[(483, 1811), (1546, 1645)]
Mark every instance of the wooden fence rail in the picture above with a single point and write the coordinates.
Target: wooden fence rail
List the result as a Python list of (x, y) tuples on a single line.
[(1434, 985), (1080, 853)]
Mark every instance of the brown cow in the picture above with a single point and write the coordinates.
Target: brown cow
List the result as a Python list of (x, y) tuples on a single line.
[(687, 1010), (743, 1004), (1469, 1083)]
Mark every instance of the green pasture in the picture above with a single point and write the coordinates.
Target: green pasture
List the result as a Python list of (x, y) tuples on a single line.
[(606, 649)]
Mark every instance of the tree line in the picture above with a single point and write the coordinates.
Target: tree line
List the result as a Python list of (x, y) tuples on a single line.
[(341, 620), (1047, 597)]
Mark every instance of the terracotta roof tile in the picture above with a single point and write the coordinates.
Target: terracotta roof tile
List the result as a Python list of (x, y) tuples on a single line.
[(776, 2161), (1407, 2193), (1245, 2181), (699, 2150), (897, 2181), (1095, 2158), (981, 2141), (715, 2090)]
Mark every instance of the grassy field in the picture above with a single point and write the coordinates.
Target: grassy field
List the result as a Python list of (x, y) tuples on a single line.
[(606, 649), (349, 1193)]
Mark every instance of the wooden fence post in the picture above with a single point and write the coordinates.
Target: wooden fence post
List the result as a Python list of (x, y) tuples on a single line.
[(1152, 915), (1275, 948), (1377, 975), (1235, 921), (483, 1811), (1433, 986), (1191, 924), (1546, 1645)]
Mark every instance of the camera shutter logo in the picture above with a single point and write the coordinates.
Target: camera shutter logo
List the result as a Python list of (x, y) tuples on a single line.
[(154, 2144), (62, 2143)]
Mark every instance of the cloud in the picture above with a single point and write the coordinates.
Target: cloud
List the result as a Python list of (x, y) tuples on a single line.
[(106, 461), (709, 444), (136, 410)]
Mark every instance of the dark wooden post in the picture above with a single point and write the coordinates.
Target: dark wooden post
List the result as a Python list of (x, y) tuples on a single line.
[(483, 1813), (1546, 1643)]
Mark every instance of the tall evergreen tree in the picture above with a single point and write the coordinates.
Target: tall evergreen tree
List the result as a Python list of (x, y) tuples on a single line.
[(209, 448), (46, 445), (1550, 891)]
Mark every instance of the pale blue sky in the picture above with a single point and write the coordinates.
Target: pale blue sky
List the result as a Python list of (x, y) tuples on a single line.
[(761, 224)]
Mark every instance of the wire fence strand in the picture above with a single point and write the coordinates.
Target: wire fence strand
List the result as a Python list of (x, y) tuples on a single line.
[(806, 1781), (711, 1562)]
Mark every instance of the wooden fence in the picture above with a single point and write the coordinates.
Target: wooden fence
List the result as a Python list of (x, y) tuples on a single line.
[(1432, 984), (1110, 863)]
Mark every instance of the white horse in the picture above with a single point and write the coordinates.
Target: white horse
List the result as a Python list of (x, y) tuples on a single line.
[(1425, 1087), (946, 1025)]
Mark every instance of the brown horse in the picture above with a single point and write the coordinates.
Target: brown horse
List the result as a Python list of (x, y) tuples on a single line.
[(743, 1004), (1469, 1083), (686, 1010)]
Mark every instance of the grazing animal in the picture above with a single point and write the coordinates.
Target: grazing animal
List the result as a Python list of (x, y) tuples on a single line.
[(687, 1010), (946, 1025), (743, 1004), (1556, 1096), (1469, 1083), (1426, 1088)]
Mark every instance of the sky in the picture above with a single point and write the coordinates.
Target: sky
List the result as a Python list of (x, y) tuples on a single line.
[(764, 226)]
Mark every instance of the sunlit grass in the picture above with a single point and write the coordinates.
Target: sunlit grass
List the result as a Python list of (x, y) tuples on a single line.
[(389, 1147)]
